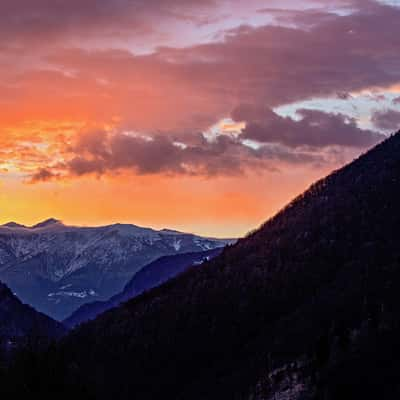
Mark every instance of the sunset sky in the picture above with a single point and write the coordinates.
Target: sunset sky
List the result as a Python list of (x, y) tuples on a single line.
[(198, 115)]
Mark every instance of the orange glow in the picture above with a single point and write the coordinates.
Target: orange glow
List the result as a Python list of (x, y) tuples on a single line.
[(38, 132), (224, 207)]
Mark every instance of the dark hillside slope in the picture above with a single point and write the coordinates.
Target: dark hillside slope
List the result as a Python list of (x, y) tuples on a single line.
[(20, 322), (307, 307), (150, 276)]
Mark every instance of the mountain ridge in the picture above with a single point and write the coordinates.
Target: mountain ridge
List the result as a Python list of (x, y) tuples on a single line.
[(56, 268)]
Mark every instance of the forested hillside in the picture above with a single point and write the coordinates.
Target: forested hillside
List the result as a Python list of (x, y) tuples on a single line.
[(21, 326)]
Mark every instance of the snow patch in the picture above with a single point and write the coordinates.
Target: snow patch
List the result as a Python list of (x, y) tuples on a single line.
[(205, 259), (79, 295), (203, 244), (176, 244)]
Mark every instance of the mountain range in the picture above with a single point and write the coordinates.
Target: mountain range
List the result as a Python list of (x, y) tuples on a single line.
[(304, 308), (57, 268)]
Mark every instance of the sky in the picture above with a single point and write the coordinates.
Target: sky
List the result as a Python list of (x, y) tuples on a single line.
[(205, 116)]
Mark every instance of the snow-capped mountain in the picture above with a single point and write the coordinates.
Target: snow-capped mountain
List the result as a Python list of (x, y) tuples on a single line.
[(56, 268)]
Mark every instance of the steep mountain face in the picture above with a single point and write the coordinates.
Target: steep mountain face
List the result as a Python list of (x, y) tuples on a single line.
[(57, 268), (148, 277), (19, 321), (306, 307)]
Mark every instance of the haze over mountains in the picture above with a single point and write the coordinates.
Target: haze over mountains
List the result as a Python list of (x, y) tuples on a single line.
[(57, 268), (306, 307)]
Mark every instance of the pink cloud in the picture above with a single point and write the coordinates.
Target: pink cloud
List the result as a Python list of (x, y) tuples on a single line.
[(174, 93)]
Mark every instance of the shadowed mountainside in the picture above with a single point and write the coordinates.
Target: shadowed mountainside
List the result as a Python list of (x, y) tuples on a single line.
[(18, 322), (147, 278)]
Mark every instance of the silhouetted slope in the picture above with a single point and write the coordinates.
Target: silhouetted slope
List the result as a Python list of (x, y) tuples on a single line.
[(19, 321), (147, 278), (307, 307)]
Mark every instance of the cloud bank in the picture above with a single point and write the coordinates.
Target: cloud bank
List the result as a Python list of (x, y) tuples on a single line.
[(150, 110)]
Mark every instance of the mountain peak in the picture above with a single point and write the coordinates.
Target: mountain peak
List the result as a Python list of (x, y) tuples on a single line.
[(13, 224), (47, 223)]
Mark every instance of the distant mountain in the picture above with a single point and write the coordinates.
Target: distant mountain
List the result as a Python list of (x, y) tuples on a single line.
[(13, 225), (148, 277), (19, 322), (57, 268), (305, 308)]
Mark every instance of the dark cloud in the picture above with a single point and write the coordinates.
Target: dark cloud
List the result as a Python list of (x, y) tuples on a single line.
[(43, 175), (396, 100), (315, 128), (224, 155), (158, 154), (276, 141), (344, 96), (388, 120)]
